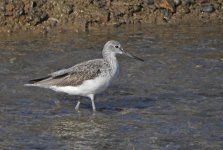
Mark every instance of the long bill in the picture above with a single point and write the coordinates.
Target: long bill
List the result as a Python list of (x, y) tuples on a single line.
[(132, 56)]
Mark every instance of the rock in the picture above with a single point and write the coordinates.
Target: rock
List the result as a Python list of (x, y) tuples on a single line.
[(9, 7), (37, 16), (206, 7), (66, 9), (38, 3), (217, 5), (13, 8), (188, 2), (149, 2), (183, 9), (52, 22), (2, 8), (166, 14), (167, 4), (137, 8), (8, 10), (177, 2), (134, 9), (99, 3)]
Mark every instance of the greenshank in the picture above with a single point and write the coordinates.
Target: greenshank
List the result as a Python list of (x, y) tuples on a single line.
[(87, 78)]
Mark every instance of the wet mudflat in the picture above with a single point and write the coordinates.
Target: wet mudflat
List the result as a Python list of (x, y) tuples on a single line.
[(174, 100)]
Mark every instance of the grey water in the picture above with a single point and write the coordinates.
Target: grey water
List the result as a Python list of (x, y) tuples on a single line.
[(173, 100)]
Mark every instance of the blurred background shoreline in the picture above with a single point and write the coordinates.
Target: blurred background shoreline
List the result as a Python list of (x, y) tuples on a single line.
[(44, 16)]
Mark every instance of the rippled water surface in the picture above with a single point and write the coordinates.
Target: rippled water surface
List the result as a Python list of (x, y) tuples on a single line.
[(174, 100)]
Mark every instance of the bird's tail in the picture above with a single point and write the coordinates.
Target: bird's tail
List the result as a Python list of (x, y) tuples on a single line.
[(34, 82), (30, 84)]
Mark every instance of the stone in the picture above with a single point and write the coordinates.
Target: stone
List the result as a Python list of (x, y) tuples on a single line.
[(167, 4), (37, 16), (13, 8), (9, 7), (166, 14), (188, 2), (67, 9), (206, 7), (183, 9), (177, 2), (149, 2)]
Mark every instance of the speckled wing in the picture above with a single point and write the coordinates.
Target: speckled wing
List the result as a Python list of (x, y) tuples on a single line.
[(75, 75)]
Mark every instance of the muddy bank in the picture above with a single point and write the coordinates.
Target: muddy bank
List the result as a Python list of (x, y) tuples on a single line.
[(46, 15)]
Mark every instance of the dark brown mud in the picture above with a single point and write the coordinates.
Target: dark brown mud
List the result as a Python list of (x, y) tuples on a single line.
[(78, 15)]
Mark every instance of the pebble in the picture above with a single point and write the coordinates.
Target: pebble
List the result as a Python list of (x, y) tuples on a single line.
[(188, 2), (149, 2), (37, 16), (66, 9), (137, 8), (217, 5), (177, 2), (166, 14), (166, 4), (183, 9), (207, 8)]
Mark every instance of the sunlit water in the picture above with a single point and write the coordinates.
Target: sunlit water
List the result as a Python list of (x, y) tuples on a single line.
[(174, 100)]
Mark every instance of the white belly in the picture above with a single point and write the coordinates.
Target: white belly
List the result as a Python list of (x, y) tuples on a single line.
[(93, 86)]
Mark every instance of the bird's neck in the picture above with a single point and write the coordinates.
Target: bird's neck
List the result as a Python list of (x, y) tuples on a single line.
[(112, 60)]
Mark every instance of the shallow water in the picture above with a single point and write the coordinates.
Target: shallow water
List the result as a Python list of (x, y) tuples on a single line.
[(174, 100)]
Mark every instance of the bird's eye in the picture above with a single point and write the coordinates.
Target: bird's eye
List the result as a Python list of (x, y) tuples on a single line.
[(116, 46)]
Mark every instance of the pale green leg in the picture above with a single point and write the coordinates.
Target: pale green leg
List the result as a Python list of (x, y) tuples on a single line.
[(77, 106), (91, 96)]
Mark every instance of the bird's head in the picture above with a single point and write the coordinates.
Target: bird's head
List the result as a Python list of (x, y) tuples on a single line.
[(114, 47)]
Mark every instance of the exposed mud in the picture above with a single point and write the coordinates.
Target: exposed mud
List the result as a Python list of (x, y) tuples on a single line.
[(46, 15)]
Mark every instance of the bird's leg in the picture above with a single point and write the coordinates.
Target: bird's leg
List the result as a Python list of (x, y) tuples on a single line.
[(77, 106), (91, 96)]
